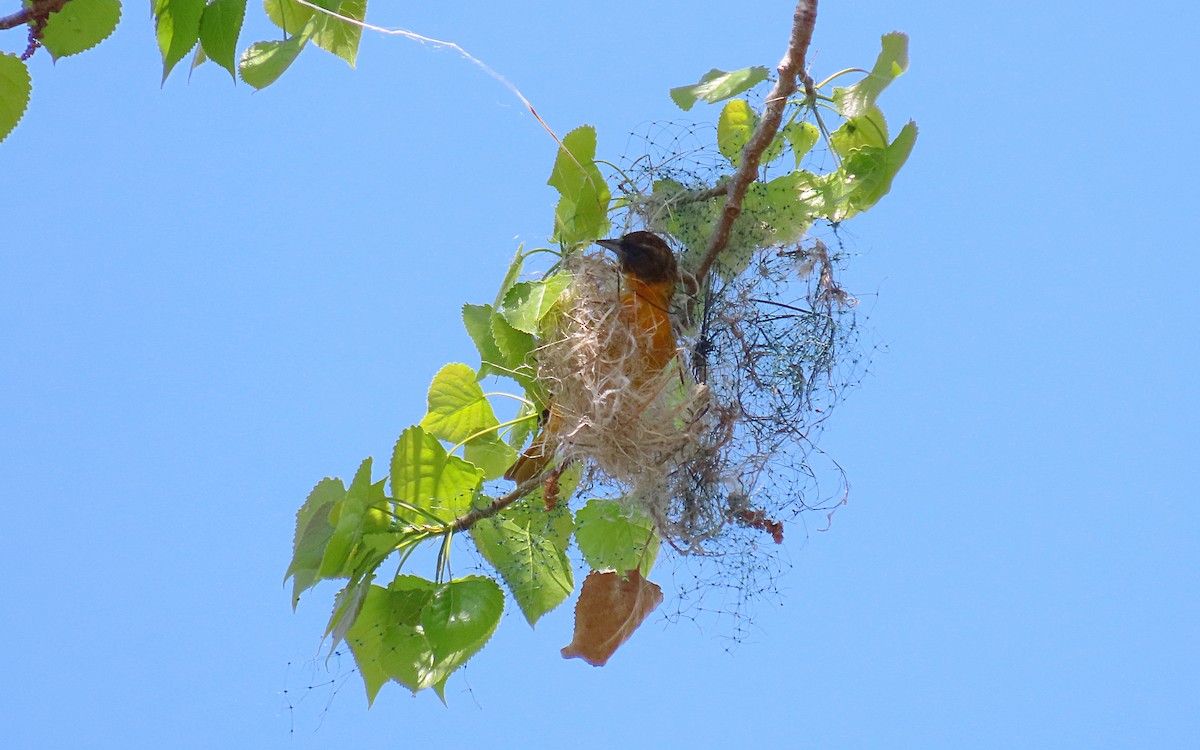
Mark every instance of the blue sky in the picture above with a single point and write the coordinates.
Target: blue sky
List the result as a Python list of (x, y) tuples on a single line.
[(213, 298)]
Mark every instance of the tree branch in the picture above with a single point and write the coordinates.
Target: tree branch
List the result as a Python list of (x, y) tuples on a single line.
[(470, 518), (791, 68), (38, 9)]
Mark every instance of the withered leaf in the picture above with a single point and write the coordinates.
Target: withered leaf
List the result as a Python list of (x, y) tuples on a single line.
[(610, 608)]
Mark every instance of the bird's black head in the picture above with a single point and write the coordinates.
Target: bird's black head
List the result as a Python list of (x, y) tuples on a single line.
[(645, 256)]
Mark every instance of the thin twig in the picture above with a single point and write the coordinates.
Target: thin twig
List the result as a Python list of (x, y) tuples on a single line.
[(37, 9), (791, 67)]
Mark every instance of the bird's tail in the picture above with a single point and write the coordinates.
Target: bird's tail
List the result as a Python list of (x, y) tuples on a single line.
[(532, 462)]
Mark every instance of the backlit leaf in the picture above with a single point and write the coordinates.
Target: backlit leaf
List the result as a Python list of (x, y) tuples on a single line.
[(341, 37), (734, 129), (263, 62), (329, 33), (387, 638), (346, 606), (529, 301), (582, 212), (417, 632), (718, 85), (789, 216), (528, 547), (867, 129), (511, 275), (492, 455), (80, 25), (613, 536), (477, 319), (426, 476), (291, 16), (313, 531), (515, 346), (871, 169), (361, 523), (177, 28), (462, 615), (14, 92), (801, 136), (457, 407), (856, 99), (219, 29)]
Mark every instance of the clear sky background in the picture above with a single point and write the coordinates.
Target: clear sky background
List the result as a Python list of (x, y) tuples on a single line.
[(212, 298)]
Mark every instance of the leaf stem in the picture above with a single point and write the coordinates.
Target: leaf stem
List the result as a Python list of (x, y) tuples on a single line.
[(495, 428), (828, 80)]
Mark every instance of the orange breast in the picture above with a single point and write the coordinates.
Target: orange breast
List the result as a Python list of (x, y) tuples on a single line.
[(645, 308)]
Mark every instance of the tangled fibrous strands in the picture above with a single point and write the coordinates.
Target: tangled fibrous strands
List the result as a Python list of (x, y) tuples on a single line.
[(719, 440), (626, 424), (775, 348)]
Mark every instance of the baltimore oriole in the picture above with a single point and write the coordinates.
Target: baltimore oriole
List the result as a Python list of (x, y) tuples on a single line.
[(649, 276)]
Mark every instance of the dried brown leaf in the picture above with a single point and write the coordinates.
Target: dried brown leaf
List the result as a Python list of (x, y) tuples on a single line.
[(610, 608)]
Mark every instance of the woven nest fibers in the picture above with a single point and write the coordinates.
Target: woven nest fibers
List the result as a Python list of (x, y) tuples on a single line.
[(612, 407), (696, 456)]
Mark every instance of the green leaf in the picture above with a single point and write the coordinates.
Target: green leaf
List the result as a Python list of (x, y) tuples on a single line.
[(612, 536), (177, 27), (198, 59), (503, 350), (773, 149), (362, 534), (556, 525), (870, 170), (515, 346), (462, 615), (734, 129), (717, 85), (79, 26), (477, 319), (263, 62), (582, 212), (528, 547), (529, 301), (340, 37), (346, 607), (387, 638), (14, 92), (492, 455), (219, 29), (789, 216), (527, 420), (457, 407), (425, 476), (417, 632), (511, 275), (291, 16), (867, 129), (801, 136), (857, 99), (458, 622), (313, 531)]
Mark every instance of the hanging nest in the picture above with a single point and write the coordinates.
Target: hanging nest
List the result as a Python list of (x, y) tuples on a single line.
[(718, 438), (628, 426)]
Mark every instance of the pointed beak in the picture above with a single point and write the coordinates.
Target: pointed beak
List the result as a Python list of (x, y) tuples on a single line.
[(614, 245)]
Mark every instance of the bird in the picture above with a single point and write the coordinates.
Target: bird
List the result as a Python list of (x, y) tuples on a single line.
[(649, 276)]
